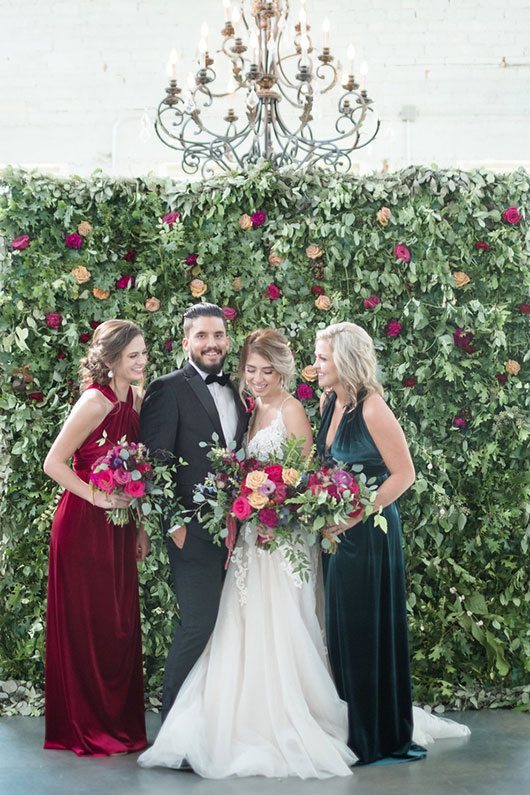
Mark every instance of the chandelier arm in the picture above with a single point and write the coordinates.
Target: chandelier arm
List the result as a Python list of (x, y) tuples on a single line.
[(320, 68)]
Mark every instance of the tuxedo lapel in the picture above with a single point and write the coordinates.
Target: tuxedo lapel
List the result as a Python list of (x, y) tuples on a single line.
[(242, 416), (203, 394)]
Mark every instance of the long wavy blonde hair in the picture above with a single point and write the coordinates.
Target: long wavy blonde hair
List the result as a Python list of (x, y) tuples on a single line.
[(272, 346), (108, 342), (354, 357)]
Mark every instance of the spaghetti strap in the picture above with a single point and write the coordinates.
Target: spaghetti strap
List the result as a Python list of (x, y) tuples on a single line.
[(289, 397)]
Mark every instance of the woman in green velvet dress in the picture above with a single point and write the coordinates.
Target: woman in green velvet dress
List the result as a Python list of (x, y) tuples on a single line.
[(366, 621)]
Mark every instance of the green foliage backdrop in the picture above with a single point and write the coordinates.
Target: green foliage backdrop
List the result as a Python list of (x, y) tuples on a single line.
[(455, 368)]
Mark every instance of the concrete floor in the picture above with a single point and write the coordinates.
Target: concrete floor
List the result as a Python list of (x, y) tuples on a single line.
[(495, 760)]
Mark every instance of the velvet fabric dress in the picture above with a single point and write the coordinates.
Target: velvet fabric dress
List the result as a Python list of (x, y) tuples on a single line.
[(94, 680), (366, 620)]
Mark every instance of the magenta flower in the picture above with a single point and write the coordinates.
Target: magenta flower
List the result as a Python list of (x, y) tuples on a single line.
[(258, 219), (168, 345), (501, 377), (482, 246), (171, 217), (460, 422), (122, 476), (273, 291), (409, 382), (94, 323), (38, 397), (525, 308), (512, 216), (191, 260), (401, 252), (393, 328), (250, 404), (61, 355), (241, 508), (125, 281), (463, 339), (85, 336), (20, 243), (135, 488), (268, 517), (130, 255), (53, 320), (304, 392), (317, 290), (74, 241), (372, 302), (229, 312)]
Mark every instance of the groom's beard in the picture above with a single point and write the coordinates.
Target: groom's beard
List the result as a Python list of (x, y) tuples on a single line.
[(207, 367)]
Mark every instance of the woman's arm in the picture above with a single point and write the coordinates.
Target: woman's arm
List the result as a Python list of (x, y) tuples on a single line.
[(297, 424)]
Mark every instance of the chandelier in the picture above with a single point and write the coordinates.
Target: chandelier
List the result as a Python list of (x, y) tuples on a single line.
[(275, 80)]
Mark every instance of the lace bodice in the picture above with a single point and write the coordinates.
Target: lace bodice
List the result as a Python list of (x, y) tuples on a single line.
[(268, 441)]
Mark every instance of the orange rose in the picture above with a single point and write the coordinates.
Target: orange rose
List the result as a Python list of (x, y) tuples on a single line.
[(84, 228), (383, 216), (237, 284), (512, 367), (275, 259), (245, 222), (198, 288), (101, 295), (258, 500), (313, 251), (255, 479), (290, 476), (81, 274), (461, 278), (152, 304), (309, 373), (323, 302)]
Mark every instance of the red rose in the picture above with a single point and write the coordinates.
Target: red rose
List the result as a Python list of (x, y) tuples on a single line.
[(393, 328), (135, 488), (317, 290), (168, 345), (273, 291), (125, 281), (401, 252), (229, 312), (250, 404), (409, 382), (74, 240), (130, 255), (241, 508), (372, 302), (38, 397), (268, 517), (274, 472), (85, 336), (525, 308), (280, 493), (501, 377), (460, 422), (171, 217), (53, 320), (462, 339), (482, 246), (20, 243), (304, 392), (258, 219), (191, 260), (512, 216), (61, 355)]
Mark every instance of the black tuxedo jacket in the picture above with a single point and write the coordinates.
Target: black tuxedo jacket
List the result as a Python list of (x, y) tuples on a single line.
[(177, 413)]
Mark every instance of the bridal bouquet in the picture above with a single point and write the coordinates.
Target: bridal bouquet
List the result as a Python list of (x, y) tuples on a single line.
[(127, 470)]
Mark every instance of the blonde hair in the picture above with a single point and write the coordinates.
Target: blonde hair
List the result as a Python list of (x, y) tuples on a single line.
[(108, 343), (272, 346), (354, 357)]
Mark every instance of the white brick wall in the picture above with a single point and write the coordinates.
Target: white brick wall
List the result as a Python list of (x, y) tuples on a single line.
[(76, 75)]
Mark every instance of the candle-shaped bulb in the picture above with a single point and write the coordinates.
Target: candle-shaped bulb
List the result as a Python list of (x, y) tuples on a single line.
[(226, 7), (202, 45), (190, 81), (171, 66), (325, 32), (204, 30)]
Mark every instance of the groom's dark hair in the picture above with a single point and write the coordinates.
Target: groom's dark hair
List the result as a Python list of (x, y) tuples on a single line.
[(201, 310)]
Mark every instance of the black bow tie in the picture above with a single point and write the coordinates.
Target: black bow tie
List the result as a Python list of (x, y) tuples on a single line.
[(216, 379)]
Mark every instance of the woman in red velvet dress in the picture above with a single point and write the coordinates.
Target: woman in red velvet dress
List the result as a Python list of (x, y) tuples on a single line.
[(94, 681)]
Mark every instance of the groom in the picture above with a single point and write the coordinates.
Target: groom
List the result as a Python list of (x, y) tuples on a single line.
[(179, 411)]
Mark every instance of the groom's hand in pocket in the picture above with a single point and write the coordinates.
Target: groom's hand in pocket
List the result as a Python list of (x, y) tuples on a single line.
[(178, 536)]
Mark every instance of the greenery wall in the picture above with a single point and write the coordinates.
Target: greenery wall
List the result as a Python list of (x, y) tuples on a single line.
[(433, 264)]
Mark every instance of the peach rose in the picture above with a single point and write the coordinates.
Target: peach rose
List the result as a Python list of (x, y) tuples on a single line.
[(275, 259), (245, 222), (290, 476), (255, 479), (383, 216), (461, 278), (309, 373), (257, 500), (198, 288), (152, 304), (84, 228), (323, 302), (81, 274), (313, 251), (512, 367), (237, 284), (101, 295)]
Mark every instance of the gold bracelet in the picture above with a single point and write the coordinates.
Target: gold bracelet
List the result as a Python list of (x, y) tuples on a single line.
[(92, 497)]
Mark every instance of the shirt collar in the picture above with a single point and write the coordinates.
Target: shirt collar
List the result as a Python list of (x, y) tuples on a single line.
[(202, 374)]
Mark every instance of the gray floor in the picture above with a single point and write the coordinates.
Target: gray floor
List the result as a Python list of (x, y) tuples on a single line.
[(495, 760)]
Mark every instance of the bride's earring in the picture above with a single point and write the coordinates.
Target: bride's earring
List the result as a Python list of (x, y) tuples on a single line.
[(110, 374)]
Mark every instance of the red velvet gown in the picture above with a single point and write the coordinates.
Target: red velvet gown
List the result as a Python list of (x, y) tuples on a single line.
[(94, 679)]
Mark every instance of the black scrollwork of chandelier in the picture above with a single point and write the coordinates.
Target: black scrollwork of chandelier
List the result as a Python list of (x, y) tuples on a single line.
[(271, 66)]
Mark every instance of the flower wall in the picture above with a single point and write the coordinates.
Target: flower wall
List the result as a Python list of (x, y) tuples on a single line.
[(433, 264)]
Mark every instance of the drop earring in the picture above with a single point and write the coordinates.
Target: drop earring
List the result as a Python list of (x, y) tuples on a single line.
[(110, 374)]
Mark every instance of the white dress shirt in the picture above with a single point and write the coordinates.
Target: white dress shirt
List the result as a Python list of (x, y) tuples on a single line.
[(223, 397)]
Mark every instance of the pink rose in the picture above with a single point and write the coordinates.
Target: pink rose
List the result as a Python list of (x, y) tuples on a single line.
[(103, 480), (21, 242), (460, 422), (171, 217), (274, 473), (121, 476), (191, 260), (74, 240), (258, 219), (273, 291), (125, 281), (268, 517), (393, 328), (304, 392), (53, 320), (401, 252), (130, 255), (482, 246), (512, 216), (229, 312), (241, 508), (135, 488), (372, 302), (344, 480)]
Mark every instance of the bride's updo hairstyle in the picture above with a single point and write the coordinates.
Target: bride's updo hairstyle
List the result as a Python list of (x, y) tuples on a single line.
[(108, 343), (272, 346), (354, 357)]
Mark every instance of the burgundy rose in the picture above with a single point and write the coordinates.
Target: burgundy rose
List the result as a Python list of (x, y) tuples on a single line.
[(53, 320), (525, 308), (268, 517), (273, 291), (191, 260), (501, 377), (482, 246), (274, 473), (130, 255), (20, 243), (258, 219), (74, 240), (512, 216), (393, 328), (462, 339), (372, 302), (85, 336), (38, 397), (460, 422), (125, 281), (168, 345), (94, 323), (409, 382), (401, 252), (280, 493), (61, 355), (317, 290), (304, 392), (250, 404), (171, 217), (229, 312)]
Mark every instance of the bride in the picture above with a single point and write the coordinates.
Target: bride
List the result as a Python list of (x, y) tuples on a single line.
[(260, 700)]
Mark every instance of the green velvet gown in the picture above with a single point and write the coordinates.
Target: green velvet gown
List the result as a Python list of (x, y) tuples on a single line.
[(366, 620)]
